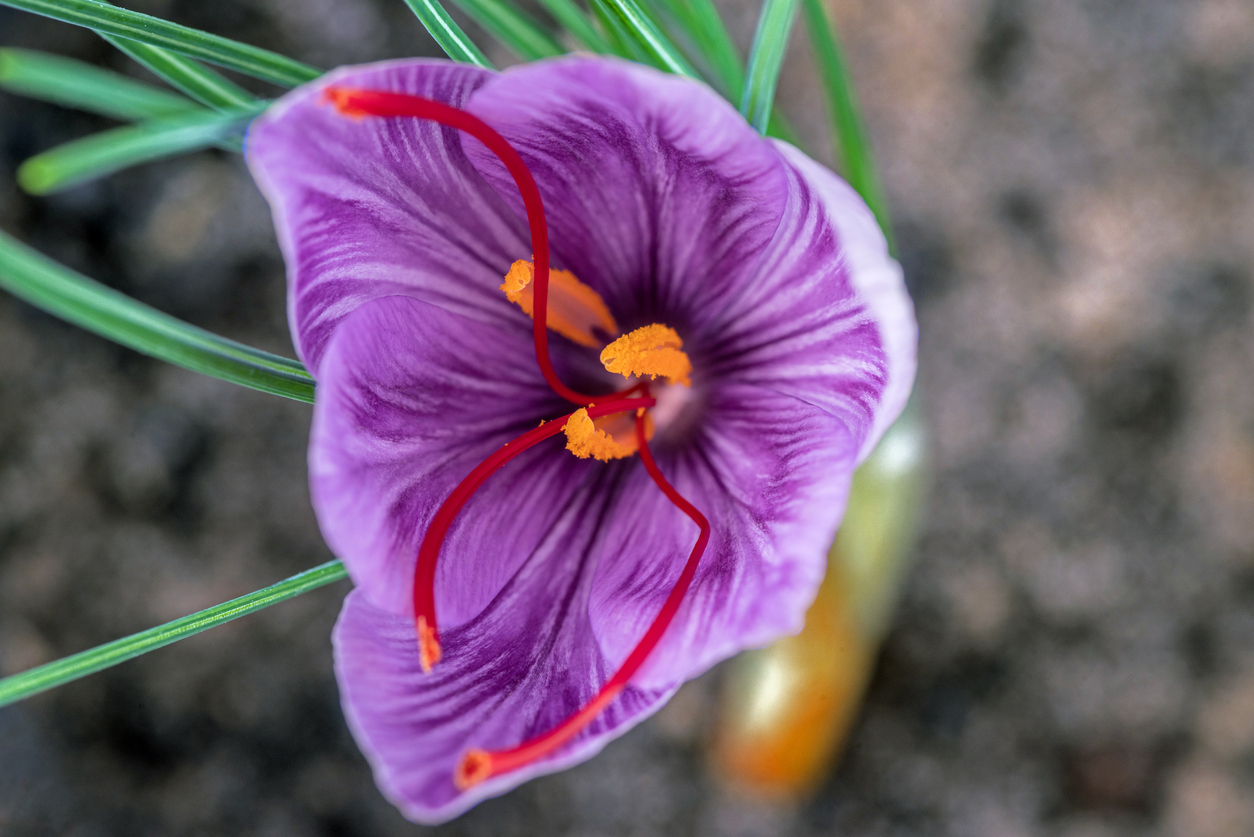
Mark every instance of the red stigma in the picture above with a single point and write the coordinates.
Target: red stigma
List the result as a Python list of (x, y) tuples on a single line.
[(478, 765), (484, 764), (437, 531)]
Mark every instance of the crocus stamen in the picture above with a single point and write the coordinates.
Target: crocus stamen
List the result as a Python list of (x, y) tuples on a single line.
[(429, 551), (602, 438), (653, 350), (355, 102), (575, 310), (476, 765)]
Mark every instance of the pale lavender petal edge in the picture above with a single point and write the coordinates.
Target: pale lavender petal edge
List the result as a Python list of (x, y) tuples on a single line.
[(878, 280)]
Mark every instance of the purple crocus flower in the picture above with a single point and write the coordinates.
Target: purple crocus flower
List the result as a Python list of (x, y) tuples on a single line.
[(749, 277)]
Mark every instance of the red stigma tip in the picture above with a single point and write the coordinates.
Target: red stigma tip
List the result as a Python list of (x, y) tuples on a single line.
[(341, 98), (474, 767), (429, 652)]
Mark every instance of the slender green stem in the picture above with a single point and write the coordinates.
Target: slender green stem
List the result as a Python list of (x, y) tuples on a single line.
[(765, 60), (111, 20), (102, 310), (574, 21), (455, 42), (201, 83), (641, 28), (851, 144), (21, 686), (513, 27), (75, 84), (109, 151)]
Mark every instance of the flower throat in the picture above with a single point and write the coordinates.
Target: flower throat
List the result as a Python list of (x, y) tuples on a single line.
[(578, 313)]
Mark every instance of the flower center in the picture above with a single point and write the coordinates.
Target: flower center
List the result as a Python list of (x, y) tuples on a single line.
[(598, 429)]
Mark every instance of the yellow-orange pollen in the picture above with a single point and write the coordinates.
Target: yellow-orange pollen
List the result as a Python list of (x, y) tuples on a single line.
[(605, 438), (574, 310), (654, 350)]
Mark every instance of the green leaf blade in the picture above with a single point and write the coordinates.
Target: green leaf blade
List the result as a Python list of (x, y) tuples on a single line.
[(112, 20), (852, 144), (620, 40), (183, 74), (636, 24), (74, 298), (700, 21), (109, 151), (451, 38), (574, 21), (512, 27), (765, 60), (78, 85), (42, 678)]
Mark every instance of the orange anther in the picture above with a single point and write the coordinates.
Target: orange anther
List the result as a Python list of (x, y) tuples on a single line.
[(605, 438), (575, 310), (654, 350)]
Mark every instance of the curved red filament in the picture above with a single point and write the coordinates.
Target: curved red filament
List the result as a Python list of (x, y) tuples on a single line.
[(437, 531), (357, 102), (478, 765)]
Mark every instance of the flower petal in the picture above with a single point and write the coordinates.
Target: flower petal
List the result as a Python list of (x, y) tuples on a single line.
[(878, 280), (369, 207), (657, 192), (410, 399), (805, 328), (516, 671), (771, 473)]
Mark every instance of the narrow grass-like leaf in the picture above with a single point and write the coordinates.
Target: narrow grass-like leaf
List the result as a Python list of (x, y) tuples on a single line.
[(21, 686), (109, 151), (765, 59), (513, 27), (619, 39), (455, 42), (111, 20), (700, 21), (640, 27), (851, 145), (201, 83), (574, 21), (76, 84), (75, 298)]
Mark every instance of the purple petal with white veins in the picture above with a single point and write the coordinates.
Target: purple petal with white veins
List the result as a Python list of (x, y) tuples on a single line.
[(411, 398), (803, 328), (658, 194), (519, 669), (771, 473), (878, 280), (370, 207)]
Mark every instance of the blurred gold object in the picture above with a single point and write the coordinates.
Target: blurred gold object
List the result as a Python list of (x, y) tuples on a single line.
[(787, 709)]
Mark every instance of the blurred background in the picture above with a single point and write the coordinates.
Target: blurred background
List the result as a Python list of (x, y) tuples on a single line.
[(1073, 187)]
